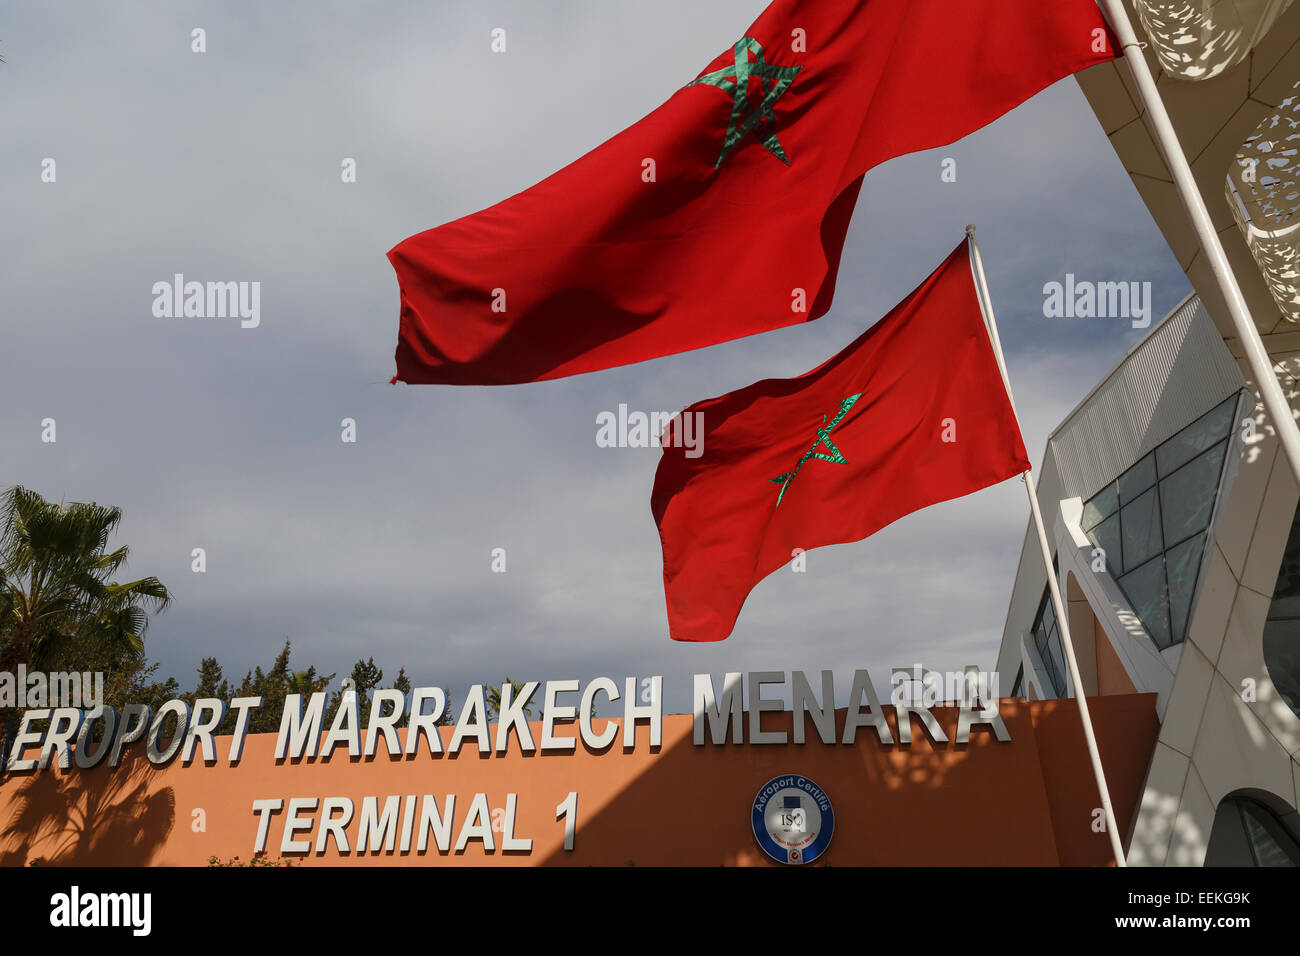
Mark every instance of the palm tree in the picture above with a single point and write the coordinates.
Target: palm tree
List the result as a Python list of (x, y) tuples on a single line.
[(55, 580), (493, 700)]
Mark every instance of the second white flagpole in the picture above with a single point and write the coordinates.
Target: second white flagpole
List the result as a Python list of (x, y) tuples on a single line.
[(986, 306)]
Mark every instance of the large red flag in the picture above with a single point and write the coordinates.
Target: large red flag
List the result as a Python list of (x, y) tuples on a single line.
[(723, 212), (912, 413)]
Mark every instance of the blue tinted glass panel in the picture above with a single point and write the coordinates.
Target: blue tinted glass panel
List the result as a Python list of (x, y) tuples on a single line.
[(1041, 642), (1057, 663), (1048, 616), (1196, 437), (1187, 496), (1140, 529), (1181, 564), (1151, 523), (1101, 505), (1247, 833), (1282, 630), (1286, 592), (1146, 591), (1057, 655), (1282, 657), (1106, 537), (1267, 838), (1047, 640), (1137, 479)]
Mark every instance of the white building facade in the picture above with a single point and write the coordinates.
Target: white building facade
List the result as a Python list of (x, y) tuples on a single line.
[(1172, 514)]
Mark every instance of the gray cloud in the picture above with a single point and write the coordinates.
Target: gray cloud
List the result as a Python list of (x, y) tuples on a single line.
[(226, 166)]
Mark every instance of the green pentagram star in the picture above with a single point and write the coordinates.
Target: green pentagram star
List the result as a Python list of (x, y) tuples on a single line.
[(836, 457), (773, 81)]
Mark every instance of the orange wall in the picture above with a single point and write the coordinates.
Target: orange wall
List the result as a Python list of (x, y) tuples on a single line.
[(1027, 802), (1112, 678)]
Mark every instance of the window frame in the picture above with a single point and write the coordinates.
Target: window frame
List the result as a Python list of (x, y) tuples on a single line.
[(1118, 566)]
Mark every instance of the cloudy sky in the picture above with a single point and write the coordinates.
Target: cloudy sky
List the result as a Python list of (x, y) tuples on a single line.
[(225, 165)]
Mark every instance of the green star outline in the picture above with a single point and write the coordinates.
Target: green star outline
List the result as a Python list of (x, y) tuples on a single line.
[(836, 457), (734, 80)]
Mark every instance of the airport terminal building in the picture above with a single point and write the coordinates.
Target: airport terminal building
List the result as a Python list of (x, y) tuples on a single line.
[(1173, 522), (1171, 512)]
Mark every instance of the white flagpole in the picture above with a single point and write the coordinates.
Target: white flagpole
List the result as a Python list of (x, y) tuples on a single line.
[(1261, 366), (1062, 622)]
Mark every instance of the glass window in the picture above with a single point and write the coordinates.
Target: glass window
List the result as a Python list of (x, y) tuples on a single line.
[(1145, 587), (1101, 505), (1266, 843), (1047, 641), (1247, 833), (1187, 496), (1042, 641), (1106, 537), (1196, 437), (1018, 688), (1286, 592), (1282, 628), (1182, 563), (1056, 661), (1137, 479), (1154, 542), (1282, 658), (1140, 529)]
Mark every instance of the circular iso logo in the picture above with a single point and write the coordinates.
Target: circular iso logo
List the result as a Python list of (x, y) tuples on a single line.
[(793, 819)]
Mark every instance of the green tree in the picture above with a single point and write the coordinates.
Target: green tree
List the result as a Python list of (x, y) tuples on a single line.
[(365, 678), (60, 607), (56, 581), (156, 693), (403, 684), (493, 698), (448, 711), (272, 686), (212, 682), (308, 682)]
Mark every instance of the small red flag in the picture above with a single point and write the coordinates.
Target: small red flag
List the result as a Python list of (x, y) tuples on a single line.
[(912, 413), (723, 212)]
